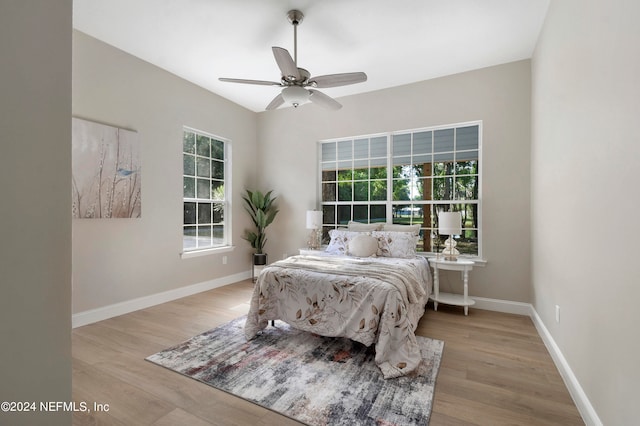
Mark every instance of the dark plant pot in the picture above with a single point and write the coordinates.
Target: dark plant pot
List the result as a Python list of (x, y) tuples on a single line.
[(259, 259)]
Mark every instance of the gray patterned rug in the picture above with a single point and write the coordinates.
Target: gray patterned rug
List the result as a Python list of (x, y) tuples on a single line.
[(313, 379)]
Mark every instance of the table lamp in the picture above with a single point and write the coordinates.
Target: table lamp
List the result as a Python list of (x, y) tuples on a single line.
[(450, 223), (314, 222)]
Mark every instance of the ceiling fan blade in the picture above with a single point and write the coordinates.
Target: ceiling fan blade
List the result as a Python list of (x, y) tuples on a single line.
[(275, 103), (286, 63), (324, 100), (241, 80), (335, 80)]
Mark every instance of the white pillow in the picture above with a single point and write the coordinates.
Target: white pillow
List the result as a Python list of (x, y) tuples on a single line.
[(364, 227), (363, 245), (415, 229), (340, 238), (396, 244)]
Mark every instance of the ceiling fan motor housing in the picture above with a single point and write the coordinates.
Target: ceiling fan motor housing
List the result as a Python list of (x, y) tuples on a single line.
[(304, 76)]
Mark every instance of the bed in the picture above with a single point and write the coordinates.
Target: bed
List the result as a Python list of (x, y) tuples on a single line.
[(374, 299)]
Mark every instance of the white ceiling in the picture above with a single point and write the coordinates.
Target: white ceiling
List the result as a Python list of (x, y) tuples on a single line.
[(394, 42)]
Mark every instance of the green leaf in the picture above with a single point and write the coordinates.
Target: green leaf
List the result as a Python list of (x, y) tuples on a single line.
[(262, 211)]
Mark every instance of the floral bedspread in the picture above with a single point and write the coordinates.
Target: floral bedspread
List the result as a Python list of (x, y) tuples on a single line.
[(373, 300)]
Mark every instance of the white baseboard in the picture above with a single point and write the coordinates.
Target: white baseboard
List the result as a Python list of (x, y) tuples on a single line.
[(505, 306), (106, 312), (583, 404)]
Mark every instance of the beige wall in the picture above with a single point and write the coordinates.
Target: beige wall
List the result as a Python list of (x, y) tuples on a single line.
[(585, 156), (500, 96), (117, 260), (35, 221)]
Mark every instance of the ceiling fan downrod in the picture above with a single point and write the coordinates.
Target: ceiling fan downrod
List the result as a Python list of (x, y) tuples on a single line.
[(295, 17)]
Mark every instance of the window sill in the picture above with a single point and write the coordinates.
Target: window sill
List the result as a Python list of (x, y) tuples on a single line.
[(206, 252)]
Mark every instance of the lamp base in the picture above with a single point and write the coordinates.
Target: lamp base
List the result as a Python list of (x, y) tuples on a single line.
[(313, 243), (450, 252)]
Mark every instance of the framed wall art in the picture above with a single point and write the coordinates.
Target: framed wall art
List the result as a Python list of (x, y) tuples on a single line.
[(106, 171)]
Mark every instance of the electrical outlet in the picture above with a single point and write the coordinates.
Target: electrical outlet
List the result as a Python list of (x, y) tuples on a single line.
[(224, 260), (558, 314)]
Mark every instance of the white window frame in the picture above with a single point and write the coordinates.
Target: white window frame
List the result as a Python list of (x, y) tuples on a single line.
[(389, 202), (226, 241)]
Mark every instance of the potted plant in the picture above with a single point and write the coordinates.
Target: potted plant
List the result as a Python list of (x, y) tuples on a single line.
[(262, 211)]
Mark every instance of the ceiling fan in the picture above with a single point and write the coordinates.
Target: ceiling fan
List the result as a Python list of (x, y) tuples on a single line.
[(297, 84)]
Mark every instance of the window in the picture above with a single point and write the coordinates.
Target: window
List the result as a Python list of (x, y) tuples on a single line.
[(405, 177), (205, 190)]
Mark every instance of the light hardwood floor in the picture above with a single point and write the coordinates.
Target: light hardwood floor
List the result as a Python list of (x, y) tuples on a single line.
[(495, 369)]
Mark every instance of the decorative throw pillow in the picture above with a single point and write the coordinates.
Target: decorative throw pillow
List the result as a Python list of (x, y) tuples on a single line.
[(364, 227), (363, 246), (396, 244), (415, 229), (340, 238)]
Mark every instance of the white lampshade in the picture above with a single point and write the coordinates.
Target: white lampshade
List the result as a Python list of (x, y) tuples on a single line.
[(450, 223), (295, 95), (314, 219)]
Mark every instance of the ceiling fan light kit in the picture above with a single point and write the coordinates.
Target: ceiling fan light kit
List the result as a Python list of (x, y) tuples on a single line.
[(295, 80), (295, 95)]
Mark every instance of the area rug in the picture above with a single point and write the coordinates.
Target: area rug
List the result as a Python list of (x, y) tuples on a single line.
[(313, 379)]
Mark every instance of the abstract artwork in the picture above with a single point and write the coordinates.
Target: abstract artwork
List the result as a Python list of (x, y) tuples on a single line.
[(106, 171)]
